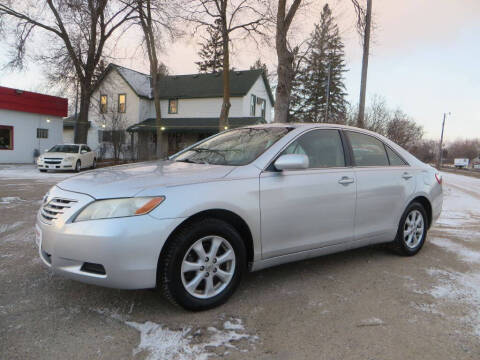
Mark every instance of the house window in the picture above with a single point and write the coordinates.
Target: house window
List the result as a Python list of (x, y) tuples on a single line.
[(122, 103), (173, 106), (103, 104), (263, 105), (253, 101), (6, 137), (42, 133)]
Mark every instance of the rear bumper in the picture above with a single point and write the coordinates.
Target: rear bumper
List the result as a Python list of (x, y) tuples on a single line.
[(127, 248)]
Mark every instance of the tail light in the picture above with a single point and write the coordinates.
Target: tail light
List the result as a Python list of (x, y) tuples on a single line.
[(439, 178)]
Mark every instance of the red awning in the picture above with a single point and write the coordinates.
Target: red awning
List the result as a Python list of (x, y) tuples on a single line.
[(26, 101)]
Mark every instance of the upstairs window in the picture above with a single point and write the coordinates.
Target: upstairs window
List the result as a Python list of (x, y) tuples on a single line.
[(253, 101), (42, 133), (6, 137), (173, 106), (103, 104), (122, 103)]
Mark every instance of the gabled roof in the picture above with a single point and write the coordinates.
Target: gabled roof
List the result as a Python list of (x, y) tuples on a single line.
[(192, 85), (139, 82), (210, 85), (205, 125)]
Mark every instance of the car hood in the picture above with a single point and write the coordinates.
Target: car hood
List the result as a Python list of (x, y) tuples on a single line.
[(129, 180), (56, 154)]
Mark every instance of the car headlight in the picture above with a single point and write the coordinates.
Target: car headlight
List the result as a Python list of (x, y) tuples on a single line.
[(69, 158), (113, 208)]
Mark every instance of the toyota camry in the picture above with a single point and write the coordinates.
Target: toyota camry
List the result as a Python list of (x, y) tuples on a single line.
[(242, 200)]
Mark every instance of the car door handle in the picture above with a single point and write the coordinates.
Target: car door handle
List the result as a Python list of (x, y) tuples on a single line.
[(345, 180), (406, 176)]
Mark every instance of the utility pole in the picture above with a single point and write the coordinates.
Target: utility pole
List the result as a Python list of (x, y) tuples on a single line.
[(440, 152), (366, 47)]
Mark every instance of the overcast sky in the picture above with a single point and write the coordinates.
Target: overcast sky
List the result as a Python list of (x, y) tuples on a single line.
[(424, 60)]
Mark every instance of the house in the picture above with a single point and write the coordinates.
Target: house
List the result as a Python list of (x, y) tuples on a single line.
[(122, 111), (30, 123)]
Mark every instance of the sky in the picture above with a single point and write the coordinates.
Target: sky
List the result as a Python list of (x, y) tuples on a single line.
[(424, 59)]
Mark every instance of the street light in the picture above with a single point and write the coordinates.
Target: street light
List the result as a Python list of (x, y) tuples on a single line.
[(440, 152)]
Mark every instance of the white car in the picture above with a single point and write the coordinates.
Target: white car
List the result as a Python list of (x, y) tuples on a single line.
[(67, 157)]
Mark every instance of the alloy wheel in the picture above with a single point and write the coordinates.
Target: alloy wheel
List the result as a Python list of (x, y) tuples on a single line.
[(413, 229), (208, 267)]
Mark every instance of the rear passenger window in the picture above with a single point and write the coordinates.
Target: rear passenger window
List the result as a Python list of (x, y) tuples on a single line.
[(323, 148), (367, 150), (395, 160)]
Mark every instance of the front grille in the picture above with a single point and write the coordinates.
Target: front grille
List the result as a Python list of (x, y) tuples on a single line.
[(52, 209), (53, 161)]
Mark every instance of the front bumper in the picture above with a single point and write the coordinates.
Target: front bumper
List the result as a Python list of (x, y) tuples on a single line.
[(127, 248)]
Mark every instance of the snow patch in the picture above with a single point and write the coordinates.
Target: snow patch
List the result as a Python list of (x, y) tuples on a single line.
[(371, 322), (10, 199), (461, 288), (162, 343), (463, 252), (10, 227)]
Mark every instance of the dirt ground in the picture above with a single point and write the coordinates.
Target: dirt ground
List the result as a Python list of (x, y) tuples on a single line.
[(361, 304)]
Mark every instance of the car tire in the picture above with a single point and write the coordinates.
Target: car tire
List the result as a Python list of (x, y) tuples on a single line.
[(94, 164), (213, 287), (412, 230), (78, 166), (42, 170)]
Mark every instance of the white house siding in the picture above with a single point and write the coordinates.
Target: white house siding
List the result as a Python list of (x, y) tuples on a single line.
[(258, 89), (202, 108), (113, 85), (68, 136), (25, 140)]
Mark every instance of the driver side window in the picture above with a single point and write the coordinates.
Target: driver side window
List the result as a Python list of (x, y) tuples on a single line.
[(322, 147)]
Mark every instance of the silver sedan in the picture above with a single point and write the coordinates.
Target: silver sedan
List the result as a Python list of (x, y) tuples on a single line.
[(242, 200)]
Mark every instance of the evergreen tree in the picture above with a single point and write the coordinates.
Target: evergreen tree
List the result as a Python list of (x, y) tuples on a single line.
[(211, 52), (320, 93)]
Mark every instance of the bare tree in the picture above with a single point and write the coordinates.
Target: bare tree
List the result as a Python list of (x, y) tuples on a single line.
[(245, 17), (156, 21), (78, 33), (286, 57), (403, 130)]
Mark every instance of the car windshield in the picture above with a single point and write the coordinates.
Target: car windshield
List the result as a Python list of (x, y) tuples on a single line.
[(65, 149), (235, 147)]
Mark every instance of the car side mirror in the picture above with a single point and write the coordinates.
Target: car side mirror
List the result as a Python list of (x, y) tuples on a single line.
[(292, 162), (83, 152)]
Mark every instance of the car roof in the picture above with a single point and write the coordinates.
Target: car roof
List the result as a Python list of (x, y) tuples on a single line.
[(309, 126)]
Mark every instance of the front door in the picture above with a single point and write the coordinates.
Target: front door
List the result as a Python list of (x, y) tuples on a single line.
[(311, 208)]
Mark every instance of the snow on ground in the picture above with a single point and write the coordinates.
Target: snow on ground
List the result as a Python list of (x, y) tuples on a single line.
[(460, 218), (162, 343), (461, 208), (24, 171), (186, 343)]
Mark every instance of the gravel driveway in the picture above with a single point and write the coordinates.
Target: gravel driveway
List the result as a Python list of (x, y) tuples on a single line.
[(361, 304)]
